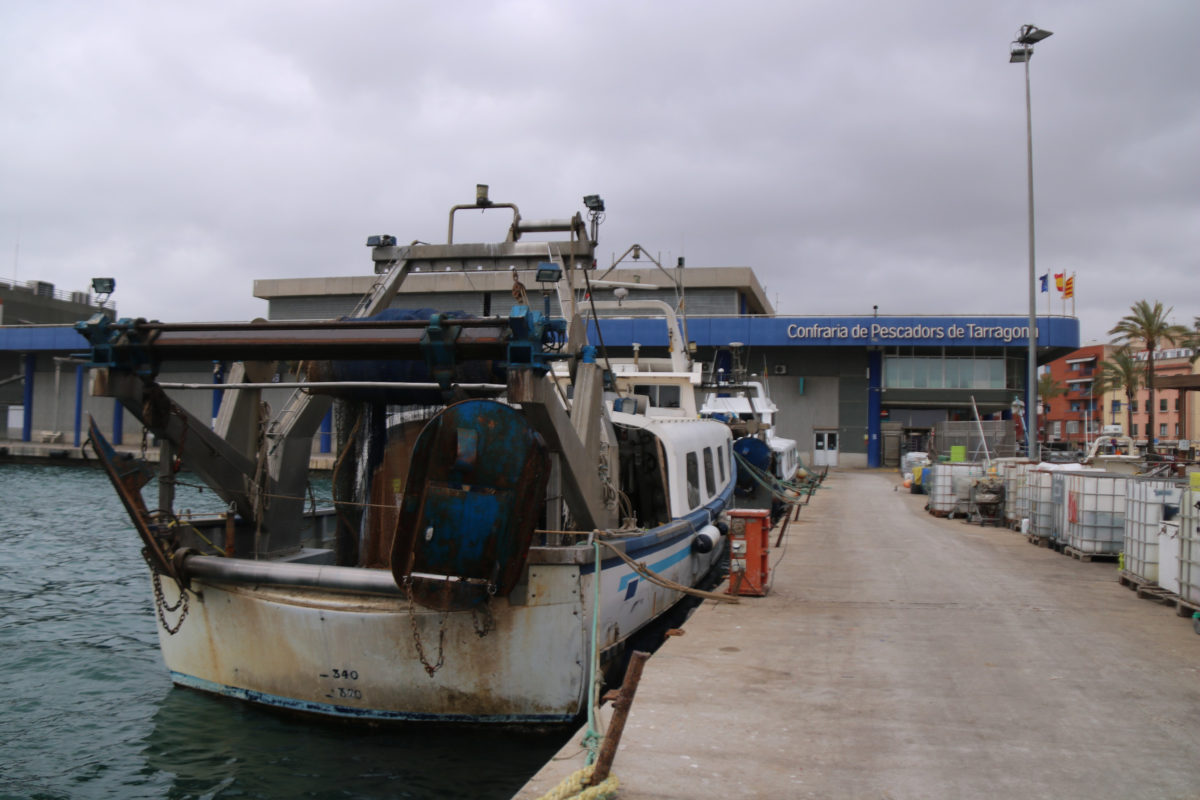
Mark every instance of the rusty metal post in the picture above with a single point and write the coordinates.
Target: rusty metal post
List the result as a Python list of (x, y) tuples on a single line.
[(787, 520), (624, 699)]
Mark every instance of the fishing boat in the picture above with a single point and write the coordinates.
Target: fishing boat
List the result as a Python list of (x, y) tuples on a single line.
[(768, 463), (509, 507)]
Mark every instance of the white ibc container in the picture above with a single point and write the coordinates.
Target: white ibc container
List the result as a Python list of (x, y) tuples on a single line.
[(950, 490), (1095, 503), (1168, 556), (1145, 499), (1041, 506), (1189, 547), (1015, 476), (1058, 506)]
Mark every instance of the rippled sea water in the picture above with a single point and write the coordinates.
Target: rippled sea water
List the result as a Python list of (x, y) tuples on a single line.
[(88, 710)]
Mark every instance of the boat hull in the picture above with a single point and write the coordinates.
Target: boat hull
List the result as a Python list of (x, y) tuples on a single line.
[(355, 655)]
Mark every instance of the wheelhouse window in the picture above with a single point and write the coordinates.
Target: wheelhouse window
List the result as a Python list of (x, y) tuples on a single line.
[(709, 472), (693, 480), (721, 463), (660, 396)]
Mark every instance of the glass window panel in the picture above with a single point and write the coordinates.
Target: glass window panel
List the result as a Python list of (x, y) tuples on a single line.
[(709, 479), (936, 380), (920, 373), (951, 367), (980, 381), (693, 481), (996, 366)]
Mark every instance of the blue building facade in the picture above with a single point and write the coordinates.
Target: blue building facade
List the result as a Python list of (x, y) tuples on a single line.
[(841, 382)]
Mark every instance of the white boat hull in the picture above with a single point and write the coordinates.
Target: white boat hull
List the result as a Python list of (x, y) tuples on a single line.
[(355, 655)]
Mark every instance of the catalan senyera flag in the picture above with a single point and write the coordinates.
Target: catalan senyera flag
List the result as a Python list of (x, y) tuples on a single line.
[(1069, 287), (1060, 279)]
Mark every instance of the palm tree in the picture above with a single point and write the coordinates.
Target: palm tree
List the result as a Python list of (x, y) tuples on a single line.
[(1121, 372), (1048, 389), (1147, 325)]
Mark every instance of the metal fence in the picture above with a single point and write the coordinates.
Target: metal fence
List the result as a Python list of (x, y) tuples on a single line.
[(997, 434)]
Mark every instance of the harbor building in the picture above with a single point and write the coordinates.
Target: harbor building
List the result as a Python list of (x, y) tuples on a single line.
[(851, 390), (36, 340)]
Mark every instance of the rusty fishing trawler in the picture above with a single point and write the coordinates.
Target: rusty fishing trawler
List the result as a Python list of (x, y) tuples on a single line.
[(508, 501)]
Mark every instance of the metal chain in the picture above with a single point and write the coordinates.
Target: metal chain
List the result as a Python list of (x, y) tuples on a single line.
[(412, 616), (161, 605), (485, 625)]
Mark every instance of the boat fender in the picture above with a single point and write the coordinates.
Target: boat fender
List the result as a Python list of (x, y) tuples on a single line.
[(707, 538)]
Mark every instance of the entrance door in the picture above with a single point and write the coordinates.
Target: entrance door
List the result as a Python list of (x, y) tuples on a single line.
[(825, 448)]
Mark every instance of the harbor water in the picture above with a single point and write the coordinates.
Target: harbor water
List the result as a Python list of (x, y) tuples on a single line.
[(91, 712)]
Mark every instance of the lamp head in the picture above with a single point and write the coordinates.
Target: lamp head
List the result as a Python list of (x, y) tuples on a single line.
[(1032, 34), (1019, 54)]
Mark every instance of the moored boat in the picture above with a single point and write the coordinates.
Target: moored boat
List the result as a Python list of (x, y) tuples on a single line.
[(505, 504)]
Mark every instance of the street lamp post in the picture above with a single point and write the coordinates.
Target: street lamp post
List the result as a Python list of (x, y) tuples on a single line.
[(1020, 53)]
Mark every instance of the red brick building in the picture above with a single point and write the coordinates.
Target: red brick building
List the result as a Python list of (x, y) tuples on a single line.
[(1076, 418)]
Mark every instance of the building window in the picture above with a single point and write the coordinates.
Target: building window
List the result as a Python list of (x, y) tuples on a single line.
[(1072, 426), (1162, 404), (1133, 406), (1176, 430), (1056, 429), (1133, 429), (1176, 403), (1162, 429), (935, 372), (1116, 407)]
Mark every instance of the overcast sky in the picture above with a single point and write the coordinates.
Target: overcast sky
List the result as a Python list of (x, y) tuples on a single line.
[(852, 153)]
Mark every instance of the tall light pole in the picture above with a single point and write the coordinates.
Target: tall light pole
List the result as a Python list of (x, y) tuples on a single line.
[(1020, 53)]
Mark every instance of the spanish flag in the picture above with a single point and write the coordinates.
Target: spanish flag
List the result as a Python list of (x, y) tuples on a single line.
[(1069, 287), (1059, 280)]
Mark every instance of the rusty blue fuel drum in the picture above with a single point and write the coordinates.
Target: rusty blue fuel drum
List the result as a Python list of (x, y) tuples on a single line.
[(475, 490)]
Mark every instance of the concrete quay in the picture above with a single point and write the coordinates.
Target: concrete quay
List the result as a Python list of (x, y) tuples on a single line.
[(899, 655)]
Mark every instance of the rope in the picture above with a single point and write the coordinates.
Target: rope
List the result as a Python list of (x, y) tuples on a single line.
[(667, 583), (592, 737), (778, 488), (574, 787)]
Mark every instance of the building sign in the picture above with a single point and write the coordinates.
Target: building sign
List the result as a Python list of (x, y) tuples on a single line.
[(958, 331), (876, 332)]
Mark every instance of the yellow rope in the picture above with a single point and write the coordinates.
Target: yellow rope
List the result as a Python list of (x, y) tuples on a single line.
[(572, 787)]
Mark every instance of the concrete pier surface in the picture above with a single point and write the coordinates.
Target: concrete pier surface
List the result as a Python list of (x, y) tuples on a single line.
[(899, 655)]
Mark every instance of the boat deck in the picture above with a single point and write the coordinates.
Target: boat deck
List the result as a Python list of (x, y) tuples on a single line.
[(900, 655)]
